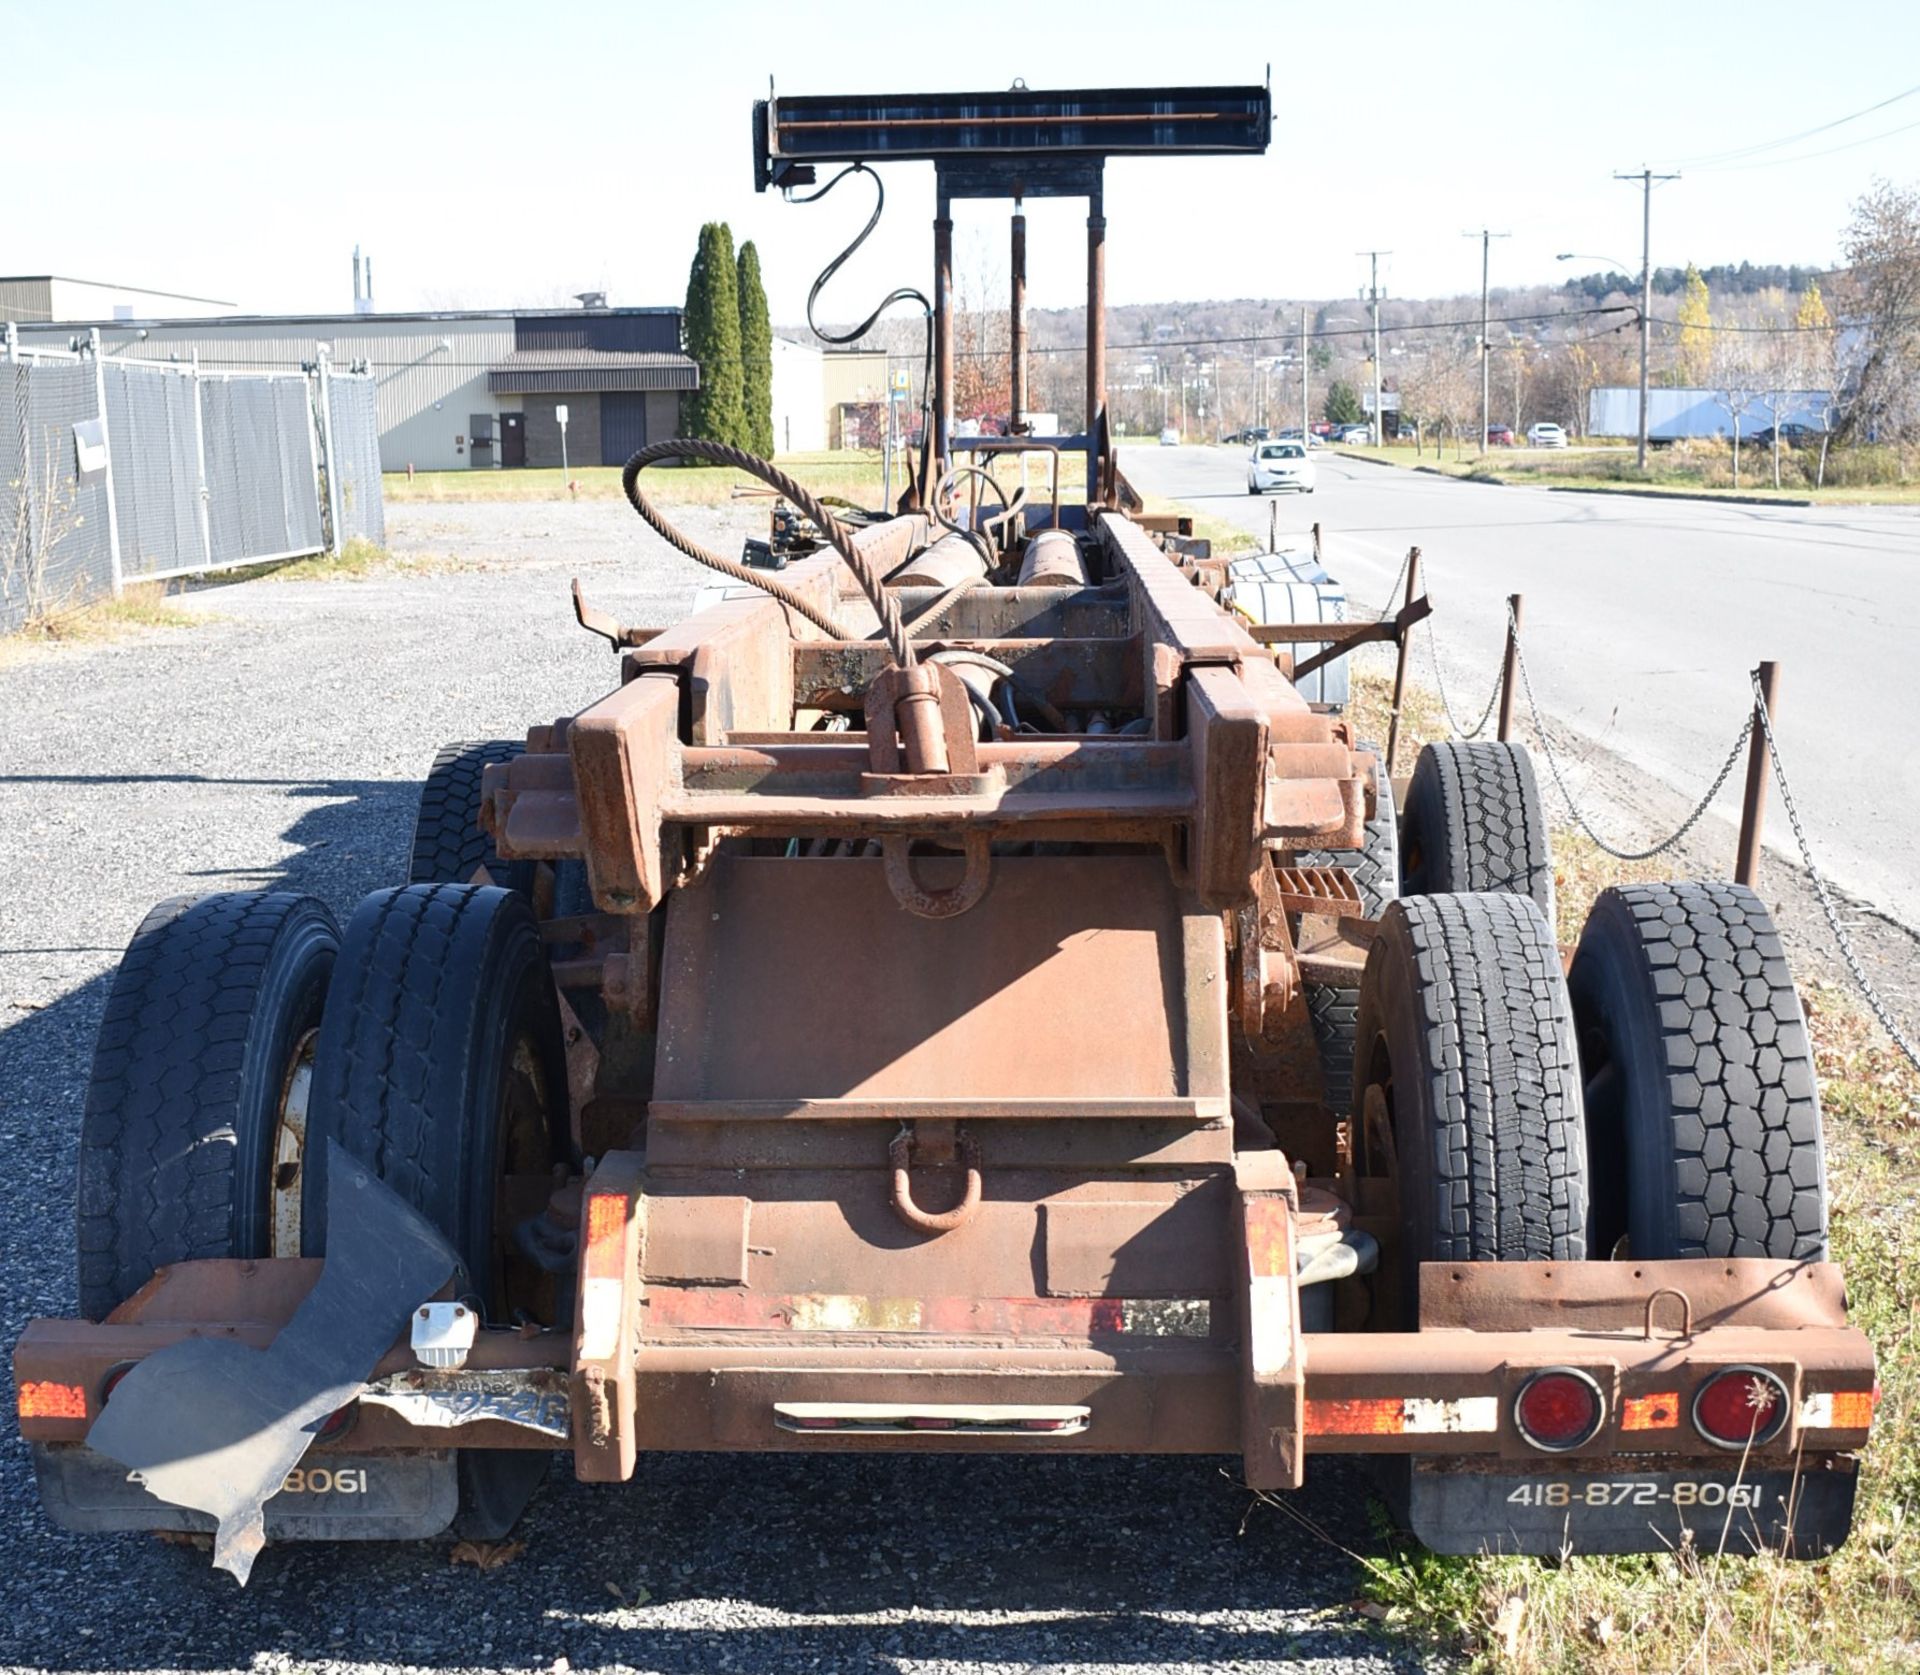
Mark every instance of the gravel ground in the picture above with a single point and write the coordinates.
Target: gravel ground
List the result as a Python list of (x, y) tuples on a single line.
[(281, 741)]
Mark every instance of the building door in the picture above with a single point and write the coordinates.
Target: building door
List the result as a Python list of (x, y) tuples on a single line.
[(513, 439), (480, 441), (623, 425)]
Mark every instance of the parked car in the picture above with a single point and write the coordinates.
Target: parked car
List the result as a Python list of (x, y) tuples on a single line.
[(1169, 438), (1793, 434), (1280, 465), (1544, 435), (1499, 436), (1352, 434)]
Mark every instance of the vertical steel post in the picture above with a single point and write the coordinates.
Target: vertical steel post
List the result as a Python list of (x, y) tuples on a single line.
[(1096, 329), (200, 460), (1753, 806), (1306, 428), (942, 332), (1400, 663), (106, 442), (1017, 326), (1516, 606), (325, 358)]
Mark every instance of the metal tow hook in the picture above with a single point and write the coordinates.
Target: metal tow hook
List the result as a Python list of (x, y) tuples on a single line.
[(900, 1153)]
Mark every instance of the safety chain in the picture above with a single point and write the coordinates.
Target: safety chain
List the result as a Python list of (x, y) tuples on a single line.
[(1573, 808), (1840, 937), (1440, 685)]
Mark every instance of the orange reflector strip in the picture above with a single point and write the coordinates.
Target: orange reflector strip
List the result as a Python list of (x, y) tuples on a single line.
[(1853, 1409), (1659, 1412), (52, 1401), (1372, 1416), (606, 1226)]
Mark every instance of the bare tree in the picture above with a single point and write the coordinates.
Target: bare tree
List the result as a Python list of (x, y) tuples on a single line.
[(1737, 370), (1883, 251)]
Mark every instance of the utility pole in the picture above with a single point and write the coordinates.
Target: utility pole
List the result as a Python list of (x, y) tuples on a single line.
[(1646, 177), (1306, 426), (1373, 297), (1486, 239)]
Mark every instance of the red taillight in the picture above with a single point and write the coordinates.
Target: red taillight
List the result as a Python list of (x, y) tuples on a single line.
[(1742, 1407), (1559, 1409)]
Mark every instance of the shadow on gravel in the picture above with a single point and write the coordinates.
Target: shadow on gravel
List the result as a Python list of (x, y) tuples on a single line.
[(770, 1563)]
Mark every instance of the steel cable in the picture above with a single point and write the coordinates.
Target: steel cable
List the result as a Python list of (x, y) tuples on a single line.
[(885, 606)]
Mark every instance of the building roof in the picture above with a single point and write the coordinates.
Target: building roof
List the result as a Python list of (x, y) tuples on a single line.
[(109, 285), (559, 371)]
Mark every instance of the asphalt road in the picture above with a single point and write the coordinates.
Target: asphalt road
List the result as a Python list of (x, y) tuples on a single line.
[(281, 741), (1643, 617)]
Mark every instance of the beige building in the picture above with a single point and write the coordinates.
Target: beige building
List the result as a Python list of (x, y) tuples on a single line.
[(470, 390), (33, 299)]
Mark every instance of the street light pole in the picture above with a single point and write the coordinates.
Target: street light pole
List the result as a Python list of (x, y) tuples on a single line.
[(1306, 428), (1646, 177)]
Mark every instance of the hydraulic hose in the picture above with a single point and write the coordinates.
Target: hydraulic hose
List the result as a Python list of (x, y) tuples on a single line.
[(885, 606)]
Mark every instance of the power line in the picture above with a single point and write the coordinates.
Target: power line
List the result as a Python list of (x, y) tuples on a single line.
[(1809, 156), (1794, 139)]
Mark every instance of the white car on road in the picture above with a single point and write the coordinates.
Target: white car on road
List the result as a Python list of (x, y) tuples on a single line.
[(1279, 465), (1544, 435)]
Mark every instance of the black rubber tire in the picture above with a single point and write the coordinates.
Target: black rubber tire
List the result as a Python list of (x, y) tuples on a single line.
[(448, 844), (1473, 823), (1703, 1114), (436, 990), (206, 1013), (1335, 1012), (1466, 1025)]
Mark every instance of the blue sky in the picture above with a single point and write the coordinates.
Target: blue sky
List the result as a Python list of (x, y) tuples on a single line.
[(492, 154)]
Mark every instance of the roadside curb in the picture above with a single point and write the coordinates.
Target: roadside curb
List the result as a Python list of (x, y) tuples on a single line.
[(1682, 494)]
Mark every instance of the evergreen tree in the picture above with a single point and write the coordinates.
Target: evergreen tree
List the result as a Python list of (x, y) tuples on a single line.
[(716, 412), (756, 353), (1343, 406)]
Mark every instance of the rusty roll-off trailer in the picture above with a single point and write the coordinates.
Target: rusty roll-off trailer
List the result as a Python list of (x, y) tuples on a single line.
[(956, 994)]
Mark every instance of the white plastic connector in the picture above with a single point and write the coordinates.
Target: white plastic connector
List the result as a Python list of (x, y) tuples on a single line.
[(442, 1334)]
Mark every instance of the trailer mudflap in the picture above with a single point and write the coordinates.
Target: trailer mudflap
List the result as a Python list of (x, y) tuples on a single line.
[(219, 1426), (327, 1497), (1646, 1505)]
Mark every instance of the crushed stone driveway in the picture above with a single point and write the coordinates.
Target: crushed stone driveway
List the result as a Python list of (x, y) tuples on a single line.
[(281, 740)]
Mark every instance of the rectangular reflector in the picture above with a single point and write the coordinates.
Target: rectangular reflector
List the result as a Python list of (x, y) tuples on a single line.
[(47, 1400), (1658, 1412), (1390, 1416), (1837, 1410)]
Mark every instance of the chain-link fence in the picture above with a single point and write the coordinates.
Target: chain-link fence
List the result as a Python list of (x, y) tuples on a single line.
[(353, 431), (123, 470)]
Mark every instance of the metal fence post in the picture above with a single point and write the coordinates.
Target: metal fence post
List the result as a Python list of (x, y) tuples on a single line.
[(1753, 806), (331, 505), (106, 446), (1400, 661), (200, 464), (1516, 605)]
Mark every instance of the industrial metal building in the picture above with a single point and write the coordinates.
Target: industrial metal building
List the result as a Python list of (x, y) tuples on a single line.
[(471, 389)]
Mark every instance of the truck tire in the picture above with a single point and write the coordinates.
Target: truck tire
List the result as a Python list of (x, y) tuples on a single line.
[(1473, 822), (1335, 1012), (1466, 1033), (1700, 1092), (440, 1067), (212, 1008), (448, 844)]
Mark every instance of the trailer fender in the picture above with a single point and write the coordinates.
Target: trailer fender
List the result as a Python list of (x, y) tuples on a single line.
[(216, 1426)]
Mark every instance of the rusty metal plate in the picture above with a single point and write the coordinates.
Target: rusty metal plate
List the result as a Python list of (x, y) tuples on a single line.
[(1085, 978), (696, 1241)]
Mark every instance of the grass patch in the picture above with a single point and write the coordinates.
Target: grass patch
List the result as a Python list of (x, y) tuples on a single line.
[(852, 474), (1854, 476), (357, 559), (140, 607)]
